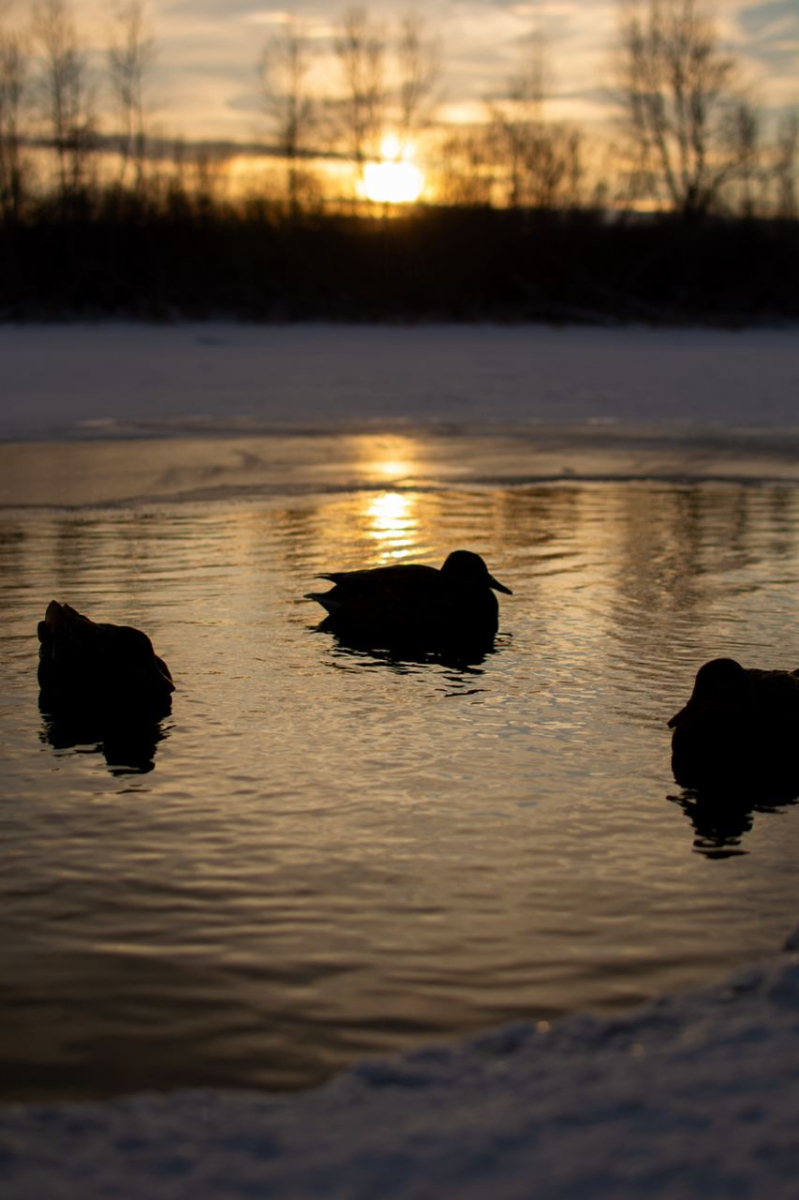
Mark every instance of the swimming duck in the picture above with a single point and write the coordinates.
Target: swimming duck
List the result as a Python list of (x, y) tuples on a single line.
[(413, 605), (107, 668), (739, 728)]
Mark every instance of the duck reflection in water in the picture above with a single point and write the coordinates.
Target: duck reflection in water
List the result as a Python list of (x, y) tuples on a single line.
[(415, 610), (736, 746), (128, 748), (720, 822), (102, 684)]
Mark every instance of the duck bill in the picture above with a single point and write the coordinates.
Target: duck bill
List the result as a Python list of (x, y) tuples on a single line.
[(679, 716), (498, 587)]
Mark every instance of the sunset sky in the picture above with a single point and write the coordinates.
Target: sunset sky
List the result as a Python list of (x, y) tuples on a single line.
[(203, 84)]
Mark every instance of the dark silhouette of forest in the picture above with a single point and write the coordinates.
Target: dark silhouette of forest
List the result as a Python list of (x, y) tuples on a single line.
[(121, 256)]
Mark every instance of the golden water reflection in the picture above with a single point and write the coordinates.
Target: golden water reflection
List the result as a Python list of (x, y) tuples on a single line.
[(393, 521), (385, 854), (394, 470), (390, 458), (391, 517)]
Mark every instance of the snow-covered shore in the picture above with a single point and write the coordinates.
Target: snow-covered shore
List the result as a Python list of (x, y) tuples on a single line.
[(87, 379), (682, 1099), (514, 403)]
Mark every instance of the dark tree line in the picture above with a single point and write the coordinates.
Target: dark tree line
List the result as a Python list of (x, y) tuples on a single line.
[(184, 260)]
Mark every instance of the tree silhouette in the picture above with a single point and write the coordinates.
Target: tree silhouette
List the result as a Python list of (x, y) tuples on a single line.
[(418, 69), (13, 79), (361, 50), (540, 159), (66, 100), (678, 93), (129, 57), (283, 71), (784, 170)]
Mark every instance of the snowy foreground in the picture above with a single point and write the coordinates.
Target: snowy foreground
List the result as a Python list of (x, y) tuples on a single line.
[(86, 379), (697, 1097)]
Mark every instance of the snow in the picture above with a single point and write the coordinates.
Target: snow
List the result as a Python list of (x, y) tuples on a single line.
[(89, 378), (686, 1097), (695, 1097)]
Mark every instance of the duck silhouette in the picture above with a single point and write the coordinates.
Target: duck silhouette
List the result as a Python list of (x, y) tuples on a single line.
[(409, 605), (739, 730), (107, 670)]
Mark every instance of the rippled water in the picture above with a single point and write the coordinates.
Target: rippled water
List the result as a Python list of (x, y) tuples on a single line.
[(335, 855)]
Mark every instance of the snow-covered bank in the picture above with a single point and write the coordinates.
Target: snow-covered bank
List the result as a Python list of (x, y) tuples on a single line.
[(88, 378), (694, 1097), (568, 402)]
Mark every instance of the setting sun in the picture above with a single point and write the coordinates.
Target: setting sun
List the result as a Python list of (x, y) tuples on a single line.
[(395, 179)]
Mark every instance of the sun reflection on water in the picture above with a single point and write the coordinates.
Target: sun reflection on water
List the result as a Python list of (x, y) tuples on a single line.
[(389, 459), (393, 521), (393, 469)]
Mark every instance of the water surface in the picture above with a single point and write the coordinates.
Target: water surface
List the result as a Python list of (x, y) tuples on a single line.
[(326, 854)]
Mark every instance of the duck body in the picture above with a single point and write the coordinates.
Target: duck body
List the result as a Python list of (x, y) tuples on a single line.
[(415, 606), (739, 729), (90, 667)]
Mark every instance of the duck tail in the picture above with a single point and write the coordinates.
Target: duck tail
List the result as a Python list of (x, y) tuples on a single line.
[(322, 598)]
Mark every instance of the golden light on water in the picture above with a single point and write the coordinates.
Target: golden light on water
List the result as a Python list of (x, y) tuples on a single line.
[(392, 521), (393, 469), (395, 179), (388, 515), (390, 458)]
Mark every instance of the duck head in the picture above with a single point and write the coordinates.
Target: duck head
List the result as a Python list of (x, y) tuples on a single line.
[(463, 568), (720, 684)]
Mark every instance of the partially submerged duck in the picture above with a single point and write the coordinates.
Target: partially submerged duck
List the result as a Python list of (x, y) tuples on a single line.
[(740, 728), (416, 606), (108, 669)]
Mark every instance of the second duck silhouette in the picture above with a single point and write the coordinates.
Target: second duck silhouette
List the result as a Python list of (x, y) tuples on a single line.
[(411, 606), (110, 670), (739, 730), (102, 683)]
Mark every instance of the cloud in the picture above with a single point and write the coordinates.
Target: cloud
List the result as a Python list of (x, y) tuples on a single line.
[(207, 49), (772, 21)]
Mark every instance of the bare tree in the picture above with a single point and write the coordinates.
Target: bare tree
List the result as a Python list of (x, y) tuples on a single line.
[(13, 76), (361, 50), (129, 57), (678, 90), (283, 71), (466, 176), (516, 114), (554, 170), (418, 70), (66, 98), (786, 167), (745, 136), (541, 159)]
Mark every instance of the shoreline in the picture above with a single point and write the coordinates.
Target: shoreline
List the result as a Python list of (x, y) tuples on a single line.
[(119, 472), (693, 1096)]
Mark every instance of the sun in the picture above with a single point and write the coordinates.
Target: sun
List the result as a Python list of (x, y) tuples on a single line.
[(395, 179)]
